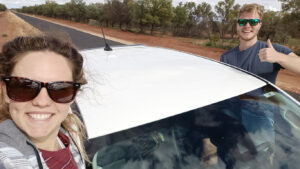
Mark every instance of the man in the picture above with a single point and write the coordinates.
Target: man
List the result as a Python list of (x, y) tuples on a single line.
[(260, 58), (264, 60)]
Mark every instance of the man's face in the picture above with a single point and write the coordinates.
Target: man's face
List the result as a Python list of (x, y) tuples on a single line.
[(248, 32)]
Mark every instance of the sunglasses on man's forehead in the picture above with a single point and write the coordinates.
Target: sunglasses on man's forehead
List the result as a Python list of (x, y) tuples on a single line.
[(252, 22), (23, 89)]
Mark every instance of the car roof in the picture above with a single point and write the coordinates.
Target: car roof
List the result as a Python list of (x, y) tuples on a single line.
[(135, 85)]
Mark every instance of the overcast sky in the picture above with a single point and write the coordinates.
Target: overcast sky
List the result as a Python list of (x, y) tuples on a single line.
[(274, 5)]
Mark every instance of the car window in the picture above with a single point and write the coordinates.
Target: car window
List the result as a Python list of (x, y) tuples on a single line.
[(257, 129)]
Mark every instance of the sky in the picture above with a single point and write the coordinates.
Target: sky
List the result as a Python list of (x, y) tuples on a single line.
[(273, 5)]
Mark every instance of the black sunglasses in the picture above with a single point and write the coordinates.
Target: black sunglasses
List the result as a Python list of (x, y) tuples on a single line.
[(252, 22), (23, 89)]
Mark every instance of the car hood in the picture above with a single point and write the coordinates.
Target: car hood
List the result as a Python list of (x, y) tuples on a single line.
[(135, 85)]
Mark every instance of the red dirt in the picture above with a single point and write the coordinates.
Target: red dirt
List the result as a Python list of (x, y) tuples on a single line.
[(286, 79), (12, 26)]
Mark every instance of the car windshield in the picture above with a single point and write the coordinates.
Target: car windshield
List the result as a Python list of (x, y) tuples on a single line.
[(259, 129)]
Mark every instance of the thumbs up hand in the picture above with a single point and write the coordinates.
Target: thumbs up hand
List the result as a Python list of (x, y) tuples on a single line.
[(269, 54), (269, 44)]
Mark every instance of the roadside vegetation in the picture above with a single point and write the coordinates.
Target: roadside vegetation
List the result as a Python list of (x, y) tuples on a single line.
[(2, 7), (207, 26)]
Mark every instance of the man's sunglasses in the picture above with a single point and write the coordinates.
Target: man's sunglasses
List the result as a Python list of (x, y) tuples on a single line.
[(252, 22), (23, 89)]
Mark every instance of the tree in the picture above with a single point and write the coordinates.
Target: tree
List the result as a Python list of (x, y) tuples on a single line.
[(126, 17), (180, 15), (191, 23), (60, 11), (76, 10), (48, 8), (2, 7), (120, 12), (39, 9), (180, 18), (112, 5), (270, 24), (205, 17), (92, 11), (106, 14), (291, 9), (292, 6), (159, 13), (224, 19), (138, 11), (233, 19)]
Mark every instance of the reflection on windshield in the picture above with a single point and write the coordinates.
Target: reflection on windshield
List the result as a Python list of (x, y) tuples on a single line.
[(259, 129)]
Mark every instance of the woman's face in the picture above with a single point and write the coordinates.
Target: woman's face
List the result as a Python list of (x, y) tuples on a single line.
[(41, 117)]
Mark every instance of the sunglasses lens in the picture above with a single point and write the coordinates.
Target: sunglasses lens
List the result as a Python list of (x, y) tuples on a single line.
[(242, 22), (62, 92), (21, 89), (253, 22)]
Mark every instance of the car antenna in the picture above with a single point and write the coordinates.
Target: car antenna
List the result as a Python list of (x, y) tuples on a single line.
[(107, 47)]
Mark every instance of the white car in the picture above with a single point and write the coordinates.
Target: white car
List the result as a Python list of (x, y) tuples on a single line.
[(155, 108)]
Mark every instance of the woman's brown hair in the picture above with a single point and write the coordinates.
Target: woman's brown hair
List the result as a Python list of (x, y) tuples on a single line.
[(11, 53)]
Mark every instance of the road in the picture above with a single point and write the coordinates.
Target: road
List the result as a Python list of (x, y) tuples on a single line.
[(80, 39)]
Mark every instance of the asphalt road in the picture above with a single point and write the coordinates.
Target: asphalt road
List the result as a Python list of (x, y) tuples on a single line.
[(81, 39)]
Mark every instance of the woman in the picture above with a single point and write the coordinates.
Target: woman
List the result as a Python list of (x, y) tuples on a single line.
[(40, 78)]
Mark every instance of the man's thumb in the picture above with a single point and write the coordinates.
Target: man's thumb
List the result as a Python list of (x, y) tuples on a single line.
[(269, 43)]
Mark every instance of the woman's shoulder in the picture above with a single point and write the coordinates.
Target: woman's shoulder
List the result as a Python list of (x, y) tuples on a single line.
[(12, 136), (11, 158), (7, 151), (15, 151)]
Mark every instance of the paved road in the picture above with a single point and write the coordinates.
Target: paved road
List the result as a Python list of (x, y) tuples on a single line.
[(80, 39)]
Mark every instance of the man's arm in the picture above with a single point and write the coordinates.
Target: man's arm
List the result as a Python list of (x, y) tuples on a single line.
[(290, 61)]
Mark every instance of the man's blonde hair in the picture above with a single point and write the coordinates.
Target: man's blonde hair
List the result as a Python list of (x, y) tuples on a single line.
[(252, 8)]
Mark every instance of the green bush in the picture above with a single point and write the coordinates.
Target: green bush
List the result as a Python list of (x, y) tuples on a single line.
[(208, 44), (3, 7)]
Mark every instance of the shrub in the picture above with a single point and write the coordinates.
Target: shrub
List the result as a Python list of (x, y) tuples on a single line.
[(3, 7), (208, 44)]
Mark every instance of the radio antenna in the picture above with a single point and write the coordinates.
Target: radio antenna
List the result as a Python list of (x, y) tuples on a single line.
[(107, 47)]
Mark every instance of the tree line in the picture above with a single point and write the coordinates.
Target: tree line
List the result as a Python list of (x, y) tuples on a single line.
[(2, 7), (187, 20)]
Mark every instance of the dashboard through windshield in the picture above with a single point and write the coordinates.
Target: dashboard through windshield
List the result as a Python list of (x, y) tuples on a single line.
[(259, 129)]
